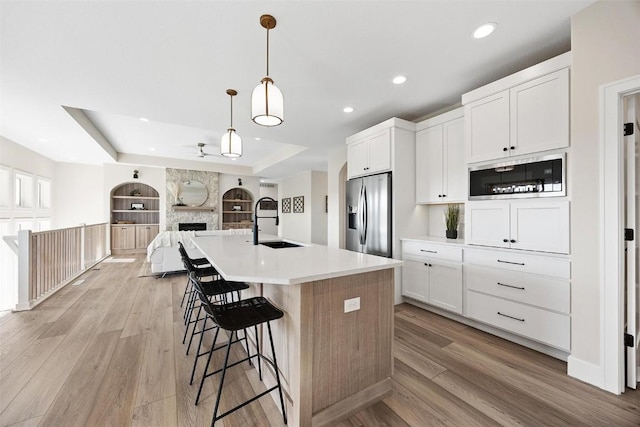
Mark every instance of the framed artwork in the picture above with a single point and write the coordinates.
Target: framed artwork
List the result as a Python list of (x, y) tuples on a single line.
[(286, 205), (298, 204), (268, 205)]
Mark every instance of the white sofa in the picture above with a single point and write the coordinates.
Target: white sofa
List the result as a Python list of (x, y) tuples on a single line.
[(163, 253)]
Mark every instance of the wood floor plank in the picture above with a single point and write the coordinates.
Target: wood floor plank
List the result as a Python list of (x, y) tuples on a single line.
[(36, 396), (77, 396), (162, 413), (115, 398), (380, 415), (448, 405), (140, 315), (420, 363), (70, 318), (158, 375), (571, 407), (14, 376), (17, 343), (410, 408), (119, 309)]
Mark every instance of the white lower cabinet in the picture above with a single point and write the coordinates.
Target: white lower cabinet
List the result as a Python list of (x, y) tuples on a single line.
[(524, 293), (540, 325), (433, 274)]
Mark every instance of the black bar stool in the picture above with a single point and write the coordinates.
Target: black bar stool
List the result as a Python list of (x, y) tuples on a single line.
[(232, 317), (213, 291), (199, 263)]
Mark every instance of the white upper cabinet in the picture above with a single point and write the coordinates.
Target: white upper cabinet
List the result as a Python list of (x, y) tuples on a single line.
[(369, 155), (540, 114), (487, 128), (533, 225), (519, 115), (440, 163)]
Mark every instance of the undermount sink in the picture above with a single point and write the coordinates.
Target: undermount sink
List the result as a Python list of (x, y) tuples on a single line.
[(279, 244)]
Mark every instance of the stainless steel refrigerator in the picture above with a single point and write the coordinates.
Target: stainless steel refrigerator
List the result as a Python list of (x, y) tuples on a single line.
[(369, 215)]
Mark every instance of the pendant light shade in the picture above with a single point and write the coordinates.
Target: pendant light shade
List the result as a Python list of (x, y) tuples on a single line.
[(231, 143), (267, 102)]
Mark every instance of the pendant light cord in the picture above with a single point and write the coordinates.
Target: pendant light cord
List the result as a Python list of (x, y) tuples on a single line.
[(267, 52), (231, 100)]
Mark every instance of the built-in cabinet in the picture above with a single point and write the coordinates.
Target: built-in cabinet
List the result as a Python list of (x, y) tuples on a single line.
[(237, 209), (440, 161), (135, 216), (533, 224), (132, 237), (370, 154), (527, 118), (433, 274), (525, 294)]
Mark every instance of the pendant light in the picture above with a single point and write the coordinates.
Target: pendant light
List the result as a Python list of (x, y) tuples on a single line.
[(267, 102), (231, 143)]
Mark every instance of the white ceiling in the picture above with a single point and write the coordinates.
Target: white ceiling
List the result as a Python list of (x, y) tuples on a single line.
[(172, 62)]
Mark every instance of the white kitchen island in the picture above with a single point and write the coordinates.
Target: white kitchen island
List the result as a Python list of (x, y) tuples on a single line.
[(332, 363)]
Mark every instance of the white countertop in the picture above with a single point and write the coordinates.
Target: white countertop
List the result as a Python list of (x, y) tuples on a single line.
[(436, 239), (237, 259)]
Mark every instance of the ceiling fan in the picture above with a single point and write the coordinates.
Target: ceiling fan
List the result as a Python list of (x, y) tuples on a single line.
[(201, 152)]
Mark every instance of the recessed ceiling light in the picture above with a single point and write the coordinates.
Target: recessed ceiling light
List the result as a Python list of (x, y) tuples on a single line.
[(257, 138), (398, 80), (348, 109), (144, 119), (234, 159), (42, 140), (152, 149), (484, 30)]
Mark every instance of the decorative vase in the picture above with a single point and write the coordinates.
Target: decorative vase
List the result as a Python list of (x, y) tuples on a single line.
[(452, 234)]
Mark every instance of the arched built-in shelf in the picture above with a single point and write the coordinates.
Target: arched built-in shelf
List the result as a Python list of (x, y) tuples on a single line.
[(135, 215), (242, 215)]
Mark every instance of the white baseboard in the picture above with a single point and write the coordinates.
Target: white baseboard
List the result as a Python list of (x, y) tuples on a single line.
[(587, 372)]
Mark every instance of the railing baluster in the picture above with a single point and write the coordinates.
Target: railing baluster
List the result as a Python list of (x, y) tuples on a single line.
[(48, 260)]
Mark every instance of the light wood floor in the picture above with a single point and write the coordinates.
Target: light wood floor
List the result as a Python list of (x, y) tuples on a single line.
[(109, 352)]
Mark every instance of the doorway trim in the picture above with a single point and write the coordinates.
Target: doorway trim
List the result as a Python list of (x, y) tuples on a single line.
[(611, 236)]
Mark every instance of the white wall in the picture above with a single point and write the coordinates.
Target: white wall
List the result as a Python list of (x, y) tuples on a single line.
[(296, 226), (336, 178), (604, 39), (318, 207), (80, 196), (311, 225)]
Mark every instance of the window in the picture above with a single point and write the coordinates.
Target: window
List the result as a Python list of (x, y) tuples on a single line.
[(5, 188), (24, 191), (44, 193)]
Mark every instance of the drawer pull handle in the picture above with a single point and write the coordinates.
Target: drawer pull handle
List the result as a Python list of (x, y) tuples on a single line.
[(510, 262), (431, 252), (428, 265), (511, 286), (511, 317)]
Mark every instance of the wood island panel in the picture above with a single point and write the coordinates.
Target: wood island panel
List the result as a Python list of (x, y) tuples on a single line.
[(332, 363)]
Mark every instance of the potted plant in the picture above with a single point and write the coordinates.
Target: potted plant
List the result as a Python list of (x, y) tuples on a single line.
[(451, 219)]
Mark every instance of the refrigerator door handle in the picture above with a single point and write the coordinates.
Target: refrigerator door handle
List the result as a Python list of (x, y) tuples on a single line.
[(360, 218), (365, 215)]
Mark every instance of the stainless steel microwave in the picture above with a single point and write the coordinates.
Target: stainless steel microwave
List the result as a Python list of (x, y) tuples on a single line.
[(535, 177)]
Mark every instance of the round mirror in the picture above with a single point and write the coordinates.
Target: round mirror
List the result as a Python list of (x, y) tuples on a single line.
[(193, 193)]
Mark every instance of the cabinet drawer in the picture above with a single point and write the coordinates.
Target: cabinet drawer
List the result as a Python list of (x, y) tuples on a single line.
[(537, 324), (515, 261), (432, 250), (544, 292)]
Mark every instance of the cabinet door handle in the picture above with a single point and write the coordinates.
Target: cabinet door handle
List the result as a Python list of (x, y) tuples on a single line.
[(444, 195), (512, 240), (431, 252), (505, 149), (428, 265), (511, 317), (511, 286), (505, 240), (510, 262), (512, 147)]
